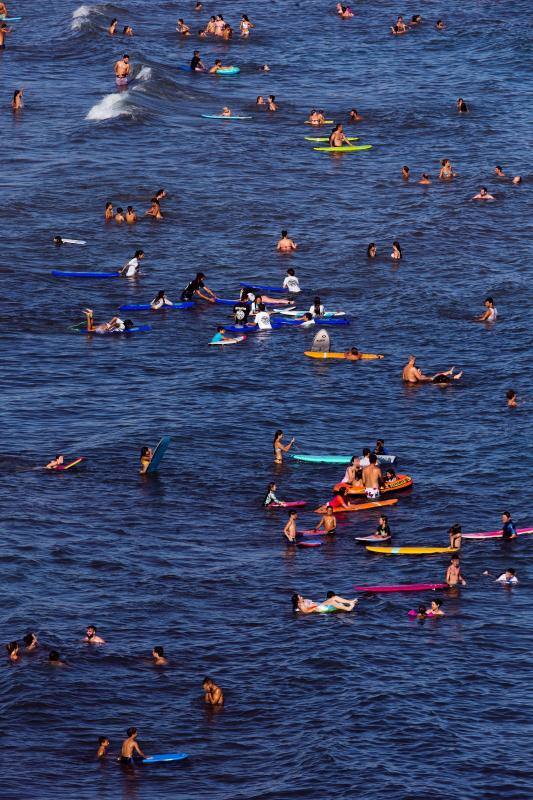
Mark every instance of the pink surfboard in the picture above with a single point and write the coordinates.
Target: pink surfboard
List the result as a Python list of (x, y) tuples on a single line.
[(406, 587), (291, 504), (494, 534), (314, 533), (309, 544), (372, 539)]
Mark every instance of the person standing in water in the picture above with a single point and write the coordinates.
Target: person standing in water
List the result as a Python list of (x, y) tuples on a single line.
[(328, 521), (456, 537), (509, 528), (337, 137), (130, 749), (4, 31), (279, 447), (122, 70), (491, 313), (146, 457), (213, 694), (103, 744), (453, 573), (286, 245), (372, 478), (289, 531), (17, 103), (197, 288), (112, 27)]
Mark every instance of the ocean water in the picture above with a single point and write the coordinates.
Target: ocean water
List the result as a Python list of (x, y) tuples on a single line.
[(367, 705)]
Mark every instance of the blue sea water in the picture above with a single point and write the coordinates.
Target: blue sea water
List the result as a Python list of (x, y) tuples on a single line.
[(370, 705)]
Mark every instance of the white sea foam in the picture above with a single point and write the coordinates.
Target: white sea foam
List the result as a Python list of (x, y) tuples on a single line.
[(80, 17), (112, 105), (145, 73)]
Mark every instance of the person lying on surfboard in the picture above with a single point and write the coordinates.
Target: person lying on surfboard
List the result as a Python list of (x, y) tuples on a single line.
[(337, 503), (353, 354), (337, 137), (56, 462), (411, 374), (219, 336)]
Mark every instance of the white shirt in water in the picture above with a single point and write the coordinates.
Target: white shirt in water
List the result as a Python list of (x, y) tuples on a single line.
[(132, 268), (493, 316), (119, 324), (292, 283), (262, 320), (162, 301), (504, 579), (312, 311), (364, 461)]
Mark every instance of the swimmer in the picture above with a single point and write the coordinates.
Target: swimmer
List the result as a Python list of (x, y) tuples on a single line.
[(219, 336), (130, 216), (160, 195), (405, 173), (219, 25), (196, 62), (379, 449), (270, 498), (123, 68), (512, 400), (507, 578), (91, 637), (317, 309), (416, 19), (127, 30), (341, 603), (286, 245), (303, 605), (112, 27), (396, 254), (109, 214), (401, 25), (227, 32), (54, 659), (198, 6), (456, 536), (4, 31), (158, 654), (353, 354), (327, 521), (55, 463), (509, 528), (289, 531), (132, 267), (411, 374), (264, 68), (516, 180), (103, 744), (291, 282), (17, 103), (160, 301), (279, 447), (446, 172), (213, 694), (154, 210), (218, 65), (146, 456), (424, 180), (226, 112), (130, 749), (372, 478), (119, 216), (182, 28), (435, 609), (260, 100), (397, 31), (422, 612), (483, 195), (197, 288), (453, 574), (498, 171), (383, 530), (462, 107), (13, 653), (210, 27), (354, 116), (371, 250), (30, 642), (344, 12), (337, 137), (271, 100), (245, 26), (440, 26), (491, 314)]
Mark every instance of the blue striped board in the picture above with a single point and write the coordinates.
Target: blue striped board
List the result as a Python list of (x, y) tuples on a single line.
[(148, 307), (57, 273), (159, 452), (160, 759), (263, 288)]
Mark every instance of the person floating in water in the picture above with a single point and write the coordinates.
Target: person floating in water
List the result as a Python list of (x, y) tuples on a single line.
[(56, 462), (119, 216), (491, 313), (453, 574), (13, 653), (103, 744), (411, 374), (405, 173), (127, 30), (483, 194), (146, 457), (17, 103), (130, 216), (396, 254), (91, 636), (462, 107), (182, 28), (54, 659), (130, 750), (512, 400), (354, 116), (158, 654), (285, 244), (213, 694)]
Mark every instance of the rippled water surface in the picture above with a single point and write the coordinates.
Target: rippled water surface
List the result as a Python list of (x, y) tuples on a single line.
[(369, 705)]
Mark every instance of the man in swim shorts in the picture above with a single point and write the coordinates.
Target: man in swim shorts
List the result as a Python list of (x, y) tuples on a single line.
[(289, 531), (372, 478), (453, 573), (130, 749), (328, 521), (123, 69)]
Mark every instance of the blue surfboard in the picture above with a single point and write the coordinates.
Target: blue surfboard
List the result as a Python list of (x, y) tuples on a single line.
[(159, 452), (148, 307), (165, 757), (263, 288), (57, 273)]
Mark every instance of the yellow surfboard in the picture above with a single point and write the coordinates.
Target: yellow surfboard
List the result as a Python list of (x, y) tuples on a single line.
[(364, 356), (410, 551)]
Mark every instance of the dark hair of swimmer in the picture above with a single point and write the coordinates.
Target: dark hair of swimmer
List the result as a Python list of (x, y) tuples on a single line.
[(102, 739), (125, 55), (200, 275), (284, 233), (308, 316), (158, 650), (373, 458), (316, 305), (369, 250), (220, 328), (272, 97), (506, 514), (416, 18), (160, 295), (455, 529), (58, 241), (131, 731), (128, 323), (510, 394), (54, 656), (120, 210), (489, 300), (366, 451), (278, 433), (384, 518), (144, 451), (129, 208), (511, 570), (397, 245), (483, 189), (438, 601), (292, 513), (261, 306), (294, 601), (12, 647), (354, 351), (422, 610), (330, 594), (342, 490), (29, 639), (114, 20), (290, 271)]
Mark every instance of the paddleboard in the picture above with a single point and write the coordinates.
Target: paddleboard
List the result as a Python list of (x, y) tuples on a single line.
[(406, 587), (159, 759), (359, 506), (236, 340), (64, 467), (253, 328), (495, 534), (412, 551), (336, 459), (57, 273), (371, 539), (364, 356), (399, 484), (221, 116), (323, 322), (135, 329), (318, 124), (352, 148), (289, 504), (148, 307), (326, 138), (316, 533), (263, 288), (159, 452)]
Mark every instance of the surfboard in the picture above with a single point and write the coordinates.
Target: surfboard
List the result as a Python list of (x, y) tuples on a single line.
[(289, 504), (148, 307), (163, 757), (73, 241), (371, 538), (495, 534), (318, 124), (326, 138), (10, 19), (383, 459), (359, 506), (57, 273), (364, 356), (309, 544), (159, 452), (321, 341), (236, 340), (263, 288), (349, 148), (221, 116), (406, 587), (411, 551), (64, 467), (135, 329)]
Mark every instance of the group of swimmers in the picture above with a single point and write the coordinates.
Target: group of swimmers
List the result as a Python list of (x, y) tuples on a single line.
[(217, 27), (401, 26), (130, 215)]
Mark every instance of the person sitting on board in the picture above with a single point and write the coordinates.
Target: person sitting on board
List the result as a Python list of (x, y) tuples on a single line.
[(158, 654), (316, 117), (91, 637), (456, 536), (198, 288), (132, 267), (411, 374), (285, 245), (103, 744), (372, 479), (160, 301), (341, 603), (196, 61), (146, 457), (383, 530), (289, 531), (328, 521), (491, 313), (219, 65), (130, 750), (337, 137), (291, 282), (56, 462), (453, 574), (213, 694), (226, 112), (262, 318), (241, 311), (219, 336), (509, 528), (317, 309)]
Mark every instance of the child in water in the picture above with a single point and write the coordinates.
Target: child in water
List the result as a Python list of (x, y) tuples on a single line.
[(146, 457)]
